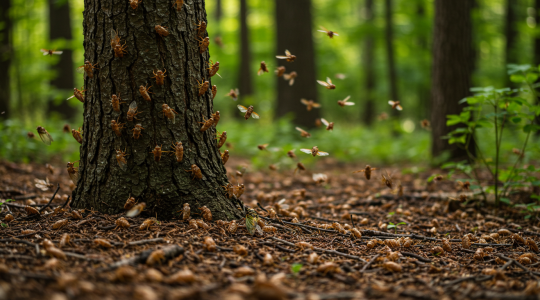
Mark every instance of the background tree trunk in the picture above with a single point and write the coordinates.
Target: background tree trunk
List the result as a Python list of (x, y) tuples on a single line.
[(424, 104), (390, 57), (5, 57), (294, 33), (245, 84), (511, 34), (369, 64), (165, 186), (60, 28), (219, 10), (452, 70), (536, 55)]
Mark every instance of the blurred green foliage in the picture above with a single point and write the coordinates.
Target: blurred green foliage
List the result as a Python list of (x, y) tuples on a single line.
[(350, 141)]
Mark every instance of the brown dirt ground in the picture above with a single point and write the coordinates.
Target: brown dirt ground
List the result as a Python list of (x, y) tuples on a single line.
[(426, 258)]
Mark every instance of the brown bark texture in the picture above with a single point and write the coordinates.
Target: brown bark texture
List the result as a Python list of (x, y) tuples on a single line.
[(369, 65), (165, 185), (536, 55), (60, 28), (6, 52), (294, 33), (452, 70)]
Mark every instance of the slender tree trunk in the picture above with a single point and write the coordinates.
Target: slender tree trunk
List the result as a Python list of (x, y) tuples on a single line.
[(369, 64), (423, 44), (536, 55), (511, 34), (294, 33), (219, 10), (60, 28), (5, 57), (390, 57), (245, 83), (452, 70), (165, 185)]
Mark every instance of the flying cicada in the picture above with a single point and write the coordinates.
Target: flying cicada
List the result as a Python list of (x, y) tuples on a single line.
[(252, 219)]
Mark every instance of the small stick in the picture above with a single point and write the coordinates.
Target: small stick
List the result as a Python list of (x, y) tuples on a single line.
[(52, 198), (65, 203), (323, 250), (369, 263), (75, 255), (18, 241), (261, 207), (145, 241), (420, 258)]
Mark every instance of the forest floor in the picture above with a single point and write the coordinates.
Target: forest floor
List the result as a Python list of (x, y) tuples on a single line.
[(443, 248)]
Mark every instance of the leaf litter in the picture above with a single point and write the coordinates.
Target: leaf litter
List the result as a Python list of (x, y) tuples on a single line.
[(337, 236)]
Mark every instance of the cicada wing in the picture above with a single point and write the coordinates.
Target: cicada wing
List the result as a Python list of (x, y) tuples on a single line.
[(251, 224), (321, 153), (74, 176), (70, 97), (399, 107), (259, 229), (391, 102), (80, 69), (300, 129), (347, 99), (322, 83), (255, 115), (316, 105), (336, 34), (45, 51), (349, 103), (307, 151), (133, 106), (58, 52), (291, 82), (46, 138), (122, 164), (323, 120), (281, 57), (242, 108), (287, 52), (304, 101), (328, 80), (134, 211)]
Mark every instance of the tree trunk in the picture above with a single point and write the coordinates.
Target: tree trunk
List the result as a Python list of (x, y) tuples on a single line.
[(511, 34), (423, 90), (5, 57), (369, 65), (219, 10), (390, 57), (245, 83), (60, 28), (294, 33), (165, 185), (536, 55), (452, 69)]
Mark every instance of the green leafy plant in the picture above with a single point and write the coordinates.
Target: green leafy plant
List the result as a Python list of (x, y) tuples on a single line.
[(395, 226), (7, 200), (497, 110), (295, 268)]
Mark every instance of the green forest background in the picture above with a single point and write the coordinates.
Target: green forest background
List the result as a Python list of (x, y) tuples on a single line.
[(352, 140)]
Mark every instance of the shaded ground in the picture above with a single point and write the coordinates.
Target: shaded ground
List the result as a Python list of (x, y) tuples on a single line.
[(446, 250)]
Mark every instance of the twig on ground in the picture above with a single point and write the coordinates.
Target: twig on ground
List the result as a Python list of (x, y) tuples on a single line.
[(369, 263), (420, 258), (52, 198), (323, 250), (145, 241)]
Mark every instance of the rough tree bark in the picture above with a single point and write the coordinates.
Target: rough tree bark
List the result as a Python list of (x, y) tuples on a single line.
[(369, 65), (451, 70), (390, 57), (294, 33), (5, 57), (165, 185), (60, 28), (245, 84)]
